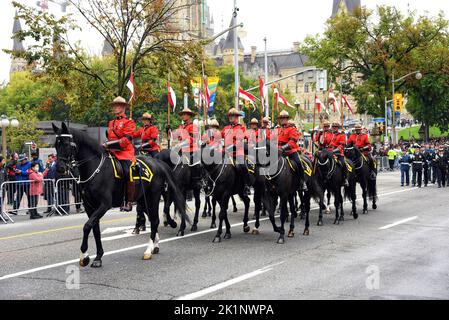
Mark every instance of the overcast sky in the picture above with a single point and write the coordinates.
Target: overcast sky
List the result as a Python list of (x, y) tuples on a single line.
[(281, 21)]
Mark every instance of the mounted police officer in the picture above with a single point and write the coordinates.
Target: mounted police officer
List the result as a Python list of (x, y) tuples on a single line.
[(417, 167), (148, 133), (360, 140), (212, 137), (337, 145), (120, 136), (288, 138), (265, 129), (187, 134), (324, 137), (233, 140)]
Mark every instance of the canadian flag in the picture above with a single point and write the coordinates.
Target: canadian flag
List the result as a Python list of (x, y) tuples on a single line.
[(262, 91), (347, 104), (318, 104), (247, 97), (171, 96), (334, 101), (130, 84), (281, 99)]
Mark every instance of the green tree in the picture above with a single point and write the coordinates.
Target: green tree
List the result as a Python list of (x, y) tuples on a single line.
[(367, 47), (27, 130)]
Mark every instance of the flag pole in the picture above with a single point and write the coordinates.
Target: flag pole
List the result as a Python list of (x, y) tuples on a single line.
[(261, 104), (132, 96), (168, 116), (273, 107)]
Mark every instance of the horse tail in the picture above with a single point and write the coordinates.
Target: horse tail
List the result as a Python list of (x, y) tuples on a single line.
[(316, 190), (176, 194)]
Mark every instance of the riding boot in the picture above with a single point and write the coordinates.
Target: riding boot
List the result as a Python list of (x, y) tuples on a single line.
[(130, 189)]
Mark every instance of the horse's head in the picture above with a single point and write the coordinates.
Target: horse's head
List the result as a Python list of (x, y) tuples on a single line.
[(66, 148), (352, 152)]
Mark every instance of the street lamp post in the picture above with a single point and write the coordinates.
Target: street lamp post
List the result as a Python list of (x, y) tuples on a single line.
[(5, 122), (393, 82)]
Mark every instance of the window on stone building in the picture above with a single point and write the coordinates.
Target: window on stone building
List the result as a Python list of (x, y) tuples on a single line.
[(306, 88)]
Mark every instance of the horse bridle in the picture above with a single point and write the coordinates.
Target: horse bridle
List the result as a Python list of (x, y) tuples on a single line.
[(322, 164), (360, 159), (71, 163)]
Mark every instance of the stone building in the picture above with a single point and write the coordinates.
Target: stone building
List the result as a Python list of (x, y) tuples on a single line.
[(17, 64)]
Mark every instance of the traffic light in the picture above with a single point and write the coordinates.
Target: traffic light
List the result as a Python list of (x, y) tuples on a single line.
[(398, 102)]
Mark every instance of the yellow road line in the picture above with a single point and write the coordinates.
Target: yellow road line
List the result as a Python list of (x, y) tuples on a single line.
[(61, 229)]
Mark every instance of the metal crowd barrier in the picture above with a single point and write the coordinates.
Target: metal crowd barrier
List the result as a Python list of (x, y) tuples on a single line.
[(58, 197)]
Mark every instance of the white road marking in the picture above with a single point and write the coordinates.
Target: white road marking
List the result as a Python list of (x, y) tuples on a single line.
[(117, 229), (398, 223), (128, 234), (56, 265), (228, 283)]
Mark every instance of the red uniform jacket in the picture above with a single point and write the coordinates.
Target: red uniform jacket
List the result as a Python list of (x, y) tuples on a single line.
[(122, 129), (324, 139), (360, 141), (234, 134), (212, 137), (289, 135), (338, 142), (188, 132), (253, 137), (149, 134)]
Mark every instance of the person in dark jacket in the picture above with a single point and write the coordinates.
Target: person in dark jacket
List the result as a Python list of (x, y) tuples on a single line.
[(22, 170), (49, 187), (3, 178), (11, 170), (405, 163)]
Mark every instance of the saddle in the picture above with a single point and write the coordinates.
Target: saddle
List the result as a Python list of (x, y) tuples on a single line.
[(119, 172)]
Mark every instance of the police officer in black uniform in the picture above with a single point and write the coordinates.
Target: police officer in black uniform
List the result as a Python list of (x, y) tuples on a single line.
[(427, 167), (441, 165), (417, 167)]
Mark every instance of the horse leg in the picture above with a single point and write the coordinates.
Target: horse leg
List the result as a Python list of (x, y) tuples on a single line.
[(97, 263), (342, 211), (271, 207), (284, 211), (291, 232), (337, 206), (257, 208), (222, 215), (328, 209), (301, 206), (168, 221), (354, 203), (320, 211), (206, 202), (153, 216), (93, 219), (182, 228), (246, 202), (234, 204), (196, 194), (307, 199), (213, 224), (365, 199)]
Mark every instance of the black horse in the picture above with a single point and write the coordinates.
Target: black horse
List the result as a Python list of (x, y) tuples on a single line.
[(101, 190), (329, 175), (363, 176), (225, 181), (284, 183)]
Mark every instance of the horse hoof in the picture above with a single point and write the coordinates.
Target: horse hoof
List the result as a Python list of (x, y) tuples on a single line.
[(217, 240), (143, 229), (255, 232), (96, 264), (306, 233), (337, 222), (147, 256), (213, 226), (227, 236), (291, 234), (84, 262), (374, 206), (320, 223), (173, 225), (136, 231), (165, 224), (194, 228), (327, 212), (281, 240), (155, 250), (246, 229), (356, 216), (180, 234)]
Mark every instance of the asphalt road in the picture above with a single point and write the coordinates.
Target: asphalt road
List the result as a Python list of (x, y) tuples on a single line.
[(399, 251)]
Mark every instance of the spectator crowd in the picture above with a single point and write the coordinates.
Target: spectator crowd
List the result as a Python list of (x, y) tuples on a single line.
[(31, 179)]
